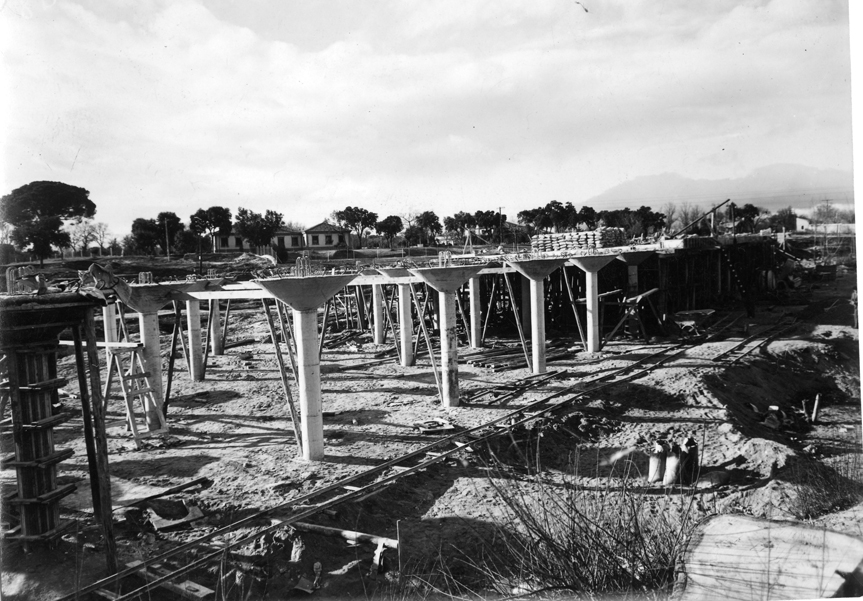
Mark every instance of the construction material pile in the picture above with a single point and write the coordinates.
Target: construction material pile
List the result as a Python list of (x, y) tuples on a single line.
[(599, 238)]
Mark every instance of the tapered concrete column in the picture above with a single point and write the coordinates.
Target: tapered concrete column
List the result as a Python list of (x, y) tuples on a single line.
[(109, 322), (447, 280), (378, 313), (149, 326), (448, 349), (537, 325), (406, 325), (475, 313), (632, 279), (590, 265), (309, 373), (594, 342), (525, 304), (196, 355), (304, 295), (535, 271), (634, 258), (217, 344)]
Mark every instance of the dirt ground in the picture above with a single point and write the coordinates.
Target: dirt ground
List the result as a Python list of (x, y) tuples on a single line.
[(234, 430)]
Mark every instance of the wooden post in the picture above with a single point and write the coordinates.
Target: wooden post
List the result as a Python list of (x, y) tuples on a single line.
[(517, 320), (196, 356), (100, 440), (295, 419)]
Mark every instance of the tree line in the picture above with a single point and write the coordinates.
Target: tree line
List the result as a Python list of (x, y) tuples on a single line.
[(46, 215)]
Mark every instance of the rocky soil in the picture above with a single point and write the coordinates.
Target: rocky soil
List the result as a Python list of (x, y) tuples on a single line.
[(234, 430)]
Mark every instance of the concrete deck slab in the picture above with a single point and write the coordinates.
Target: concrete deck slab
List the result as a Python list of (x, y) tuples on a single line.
[(446, 279), (536, 269), (149, 298), (307, 292), (635, 257), (591, 263), (393, 272)]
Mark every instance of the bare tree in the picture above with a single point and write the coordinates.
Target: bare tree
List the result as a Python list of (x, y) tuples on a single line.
[(669, 209), (81, 233), (101, 235), (688, 214)]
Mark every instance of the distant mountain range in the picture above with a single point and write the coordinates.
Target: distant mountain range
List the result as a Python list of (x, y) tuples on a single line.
[(772, 187)]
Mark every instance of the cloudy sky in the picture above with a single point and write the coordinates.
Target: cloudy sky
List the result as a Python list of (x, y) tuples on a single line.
[(307, 107)]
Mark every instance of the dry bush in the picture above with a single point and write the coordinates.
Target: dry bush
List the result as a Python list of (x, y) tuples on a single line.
[(821, 488), (561, 538)]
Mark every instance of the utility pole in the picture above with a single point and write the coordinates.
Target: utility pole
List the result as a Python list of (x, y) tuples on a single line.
[(167, 240), (500, 225)]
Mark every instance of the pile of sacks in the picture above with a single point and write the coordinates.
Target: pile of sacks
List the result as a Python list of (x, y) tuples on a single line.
[(603, 237)]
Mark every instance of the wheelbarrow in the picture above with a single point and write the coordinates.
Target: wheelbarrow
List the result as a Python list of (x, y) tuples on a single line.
[(691, 323)]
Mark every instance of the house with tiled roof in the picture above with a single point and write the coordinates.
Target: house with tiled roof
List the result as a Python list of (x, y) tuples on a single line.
[(327, 235), (288, 239), (283, 239)]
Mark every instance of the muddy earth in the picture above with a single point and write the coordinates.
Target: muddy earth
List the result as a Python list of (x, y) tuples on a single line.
[(750, 416)]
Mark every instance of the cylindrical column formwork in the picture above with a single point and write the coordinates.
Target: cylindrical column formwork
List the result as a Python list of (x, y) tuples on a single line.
[(594, 342), (149, 324), (537, 325), (475, 313), (378, 313), (406, 326), (449, 349), (196, 356), (29, 367), (217, 344), (309, 373)]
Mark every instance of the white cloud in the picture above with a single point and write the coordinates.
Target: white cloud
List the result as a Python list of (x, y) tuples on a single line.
[(180, 105)]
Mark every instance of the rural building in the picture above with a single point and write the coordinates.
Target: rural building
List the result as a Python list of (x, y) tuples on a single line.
[(324, 235), (327, 235)]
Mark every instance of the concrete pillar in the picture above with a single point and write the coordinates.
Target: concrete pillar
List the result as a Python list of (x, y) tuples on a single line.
[(109, 321), (309, 373), (217, 344), (149, 325), (632, 279), (406, 325), (525, 304), (594, 342), (378, 313), (448, 349), (196, 354), (475, 313), (537, 315)]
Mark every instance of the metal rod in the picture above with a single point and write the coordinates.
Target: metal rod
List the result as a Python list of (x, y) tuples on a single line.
[(517, 321), (295, 420), (428, 344)]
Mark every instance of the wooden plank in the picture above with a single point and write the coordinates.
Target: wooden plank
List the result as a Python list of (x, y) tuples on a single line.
[(186, 589), (740, 557)]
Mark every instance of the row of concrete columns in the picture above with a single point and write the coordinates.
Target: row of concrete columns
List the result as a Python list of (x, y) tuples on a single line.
[(306, 294)]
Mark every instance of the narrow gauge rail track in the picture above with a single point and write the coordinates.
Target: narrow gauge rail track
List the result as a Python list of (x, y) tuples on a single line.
[(753, 342), (301, 507)]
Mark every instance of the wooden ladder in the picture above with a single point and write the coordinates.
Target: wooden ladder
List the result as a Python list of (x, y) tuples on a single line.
[(135, 384)]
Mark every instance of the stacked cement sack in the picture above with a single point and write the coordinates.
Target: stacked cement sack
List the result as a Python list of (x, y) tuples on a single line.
[(598, 238)]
